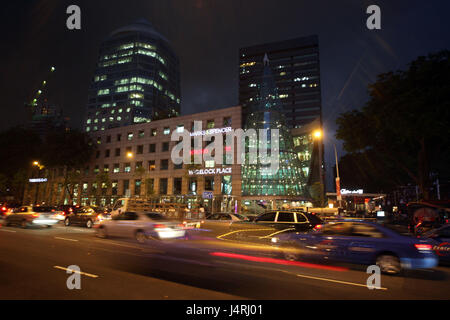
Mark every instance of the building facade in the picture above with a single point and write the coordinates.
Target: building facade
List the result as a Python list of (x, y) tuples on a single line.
[(137, 79), (135, 161), (296, 68)]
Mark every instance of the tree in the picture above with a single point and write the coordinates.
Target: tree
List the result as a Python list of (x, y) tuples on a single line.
[(71, 150), (404, 125), (20, 147), (103, 182)]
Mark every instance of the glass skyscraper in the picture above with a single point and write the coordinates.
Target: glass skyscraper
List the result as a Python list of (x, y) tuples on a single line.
[(266, 113), (137, 79), (296, 68), (295, 65)]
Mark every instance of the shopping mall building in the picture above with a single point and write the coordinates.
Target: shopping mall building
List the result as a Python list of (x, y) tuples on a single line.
[(135, 161)]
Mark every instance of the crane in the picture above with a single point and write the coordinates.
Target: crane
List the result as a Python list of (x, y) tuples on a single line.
[(34, 102)]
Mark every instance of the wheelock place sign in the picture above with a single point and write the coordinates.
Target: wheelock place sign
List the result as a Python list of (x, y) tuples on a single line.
[(211, 171)]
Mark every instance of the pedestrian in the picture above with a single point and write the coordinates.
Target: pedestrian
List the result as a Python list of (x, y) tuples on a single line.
[(201, 210)]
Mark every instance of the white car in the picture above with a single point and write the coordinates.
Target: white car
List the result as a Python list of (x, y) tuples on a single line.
[(31, 216), (226, 217), (141, 226)]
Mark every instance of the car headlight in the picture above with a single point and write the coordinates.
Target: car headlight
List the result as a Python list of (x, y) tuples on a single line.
[(274, 240)]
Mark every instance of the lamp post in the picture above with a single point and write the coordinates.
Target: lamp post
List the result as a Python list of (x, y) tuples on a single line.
[(39, 168), (338, 180), (318, 135)]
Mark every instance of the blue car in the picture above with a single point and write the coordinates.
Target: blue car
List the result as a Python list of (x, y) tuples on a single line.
[(441, 236), (359, 242)]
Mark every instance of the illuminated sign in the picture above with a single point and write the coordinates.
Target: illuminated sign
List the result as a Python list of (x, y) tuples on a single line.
[(211, 131), (345, 191), (207, 195), (201, 172), (38, 180)]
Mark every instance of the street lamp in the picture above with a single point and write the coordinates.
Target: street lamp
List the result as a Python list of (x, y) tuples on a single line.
[(37, 164), (318, 134), (40, 167), (129, 154)]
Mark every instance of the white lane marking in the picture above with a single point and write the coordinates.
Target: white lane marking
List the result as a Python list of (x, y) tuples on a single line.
[(7, 230), (336, 281), (80, 272), (67, 239), (119, 244), (272, 234), (303, 276)]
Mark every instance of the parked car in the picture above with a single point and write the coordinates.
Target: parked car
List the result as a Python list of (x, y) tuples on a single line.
[(67, 208), (441, 237), (359, 242), (263, 227), (295, 220), (85, 216), (140, 226), (31, 216)]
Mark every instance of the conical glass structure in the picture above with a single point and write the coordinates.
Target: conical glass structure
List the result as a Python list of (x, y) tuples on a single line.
[(267, 113)]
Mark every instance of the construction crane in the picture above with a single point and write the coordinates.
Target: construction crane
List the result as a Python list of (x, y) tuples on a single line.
[(34, 102)]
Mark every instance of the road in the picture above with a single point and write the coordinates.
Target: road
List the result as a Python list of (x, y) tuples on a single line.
[(34, 263)]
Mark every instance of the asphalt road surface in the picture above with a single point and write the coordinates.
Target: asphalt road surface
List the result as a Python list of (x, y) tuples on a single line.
[(34, 263)]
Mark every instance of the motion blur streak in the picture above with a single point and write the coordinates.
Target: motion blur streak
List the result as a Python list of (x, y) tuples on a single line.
[(277, 261)]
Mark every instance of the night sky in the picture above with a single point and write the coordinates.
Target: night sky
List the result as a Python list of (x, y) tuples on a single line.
[(206, 35)]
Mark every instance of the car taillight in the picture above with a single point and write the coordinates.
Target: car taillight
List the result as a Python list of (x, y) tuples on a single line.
[(181, 225), (318, 227), (35, 215), (160, 226), (423, 247), (3, 208)]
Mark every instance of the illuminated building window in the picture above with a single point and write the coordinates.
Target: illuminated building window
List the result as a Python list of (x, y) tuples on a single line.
[(103, 92), (210, 124), (151, 165), (247, 64)]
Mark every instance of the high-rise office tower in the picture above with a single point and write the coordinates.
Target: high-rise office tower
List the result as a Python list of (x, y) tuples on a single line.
[(296, 68), (267, 114), (137, 79)]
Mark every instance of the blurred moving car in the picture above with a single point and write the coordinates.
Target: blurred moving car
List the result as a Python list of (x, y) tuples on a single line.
[(85, 216), (226, 217), (140, 226), (31, 216), (441, 237), (360, 242)]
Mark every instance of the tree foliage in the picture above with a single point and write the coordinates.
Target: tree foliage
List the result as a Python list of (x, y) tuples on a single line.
[(402, 133), (70, 150)]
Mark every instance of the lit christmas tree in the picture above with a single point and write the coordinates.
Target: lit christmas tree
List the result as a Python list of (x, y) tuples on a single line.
[(267, 113)]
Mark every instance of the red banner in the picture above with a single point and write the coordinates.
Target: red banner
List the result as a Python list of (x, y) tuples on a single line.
[(338, 189)]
